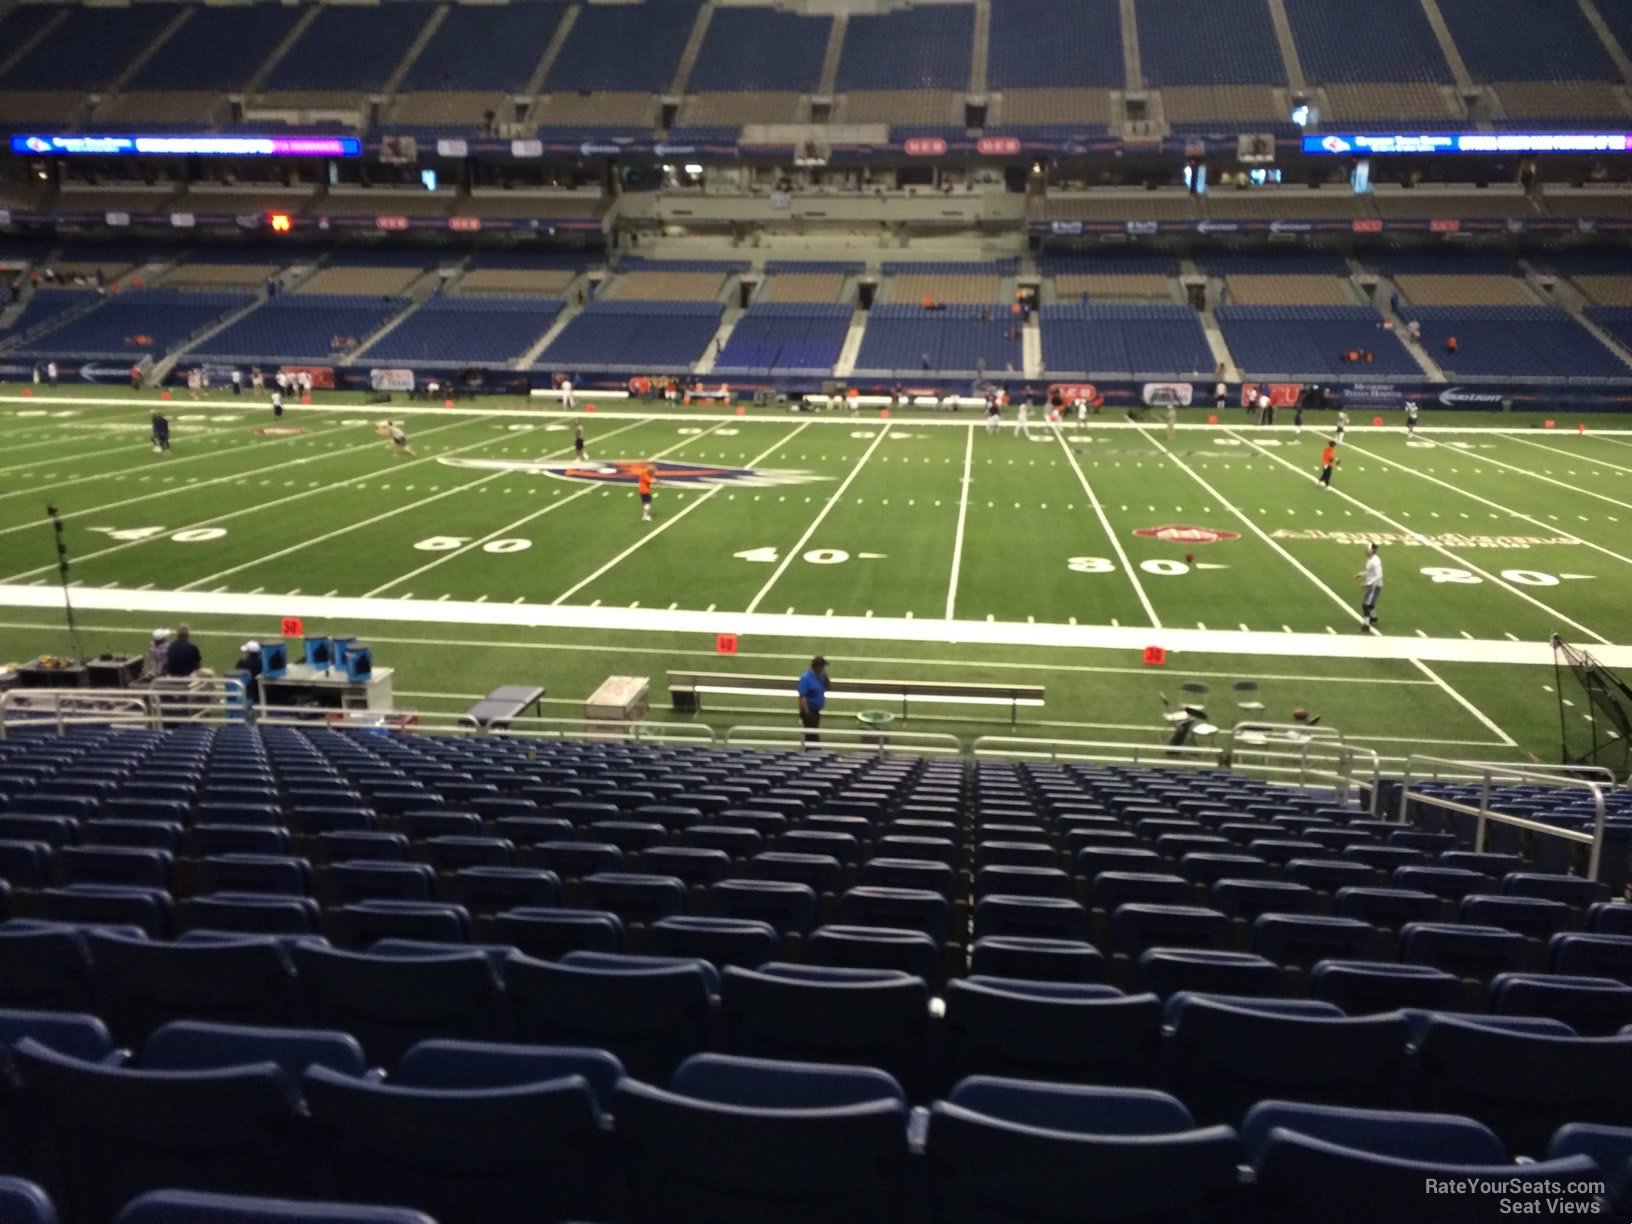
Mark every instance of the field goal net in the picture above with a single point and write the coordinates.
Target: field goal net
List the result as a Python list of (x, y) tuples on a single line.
[(1594, 711)]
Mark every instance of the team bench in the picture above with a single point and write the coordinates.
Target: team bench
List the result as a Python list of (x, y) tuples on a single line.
[(686, 689), (504, 704)]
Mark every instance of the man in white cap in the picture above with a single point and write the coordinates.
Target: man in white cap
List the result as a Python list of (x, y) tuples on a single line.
[(250, 661), (158, 653)]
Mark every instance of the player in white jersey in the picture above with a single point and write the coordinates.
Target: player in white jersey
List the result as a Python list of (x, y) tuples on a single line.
[(1411, 411), (1371, 577), (398, 443), (1022, 420)]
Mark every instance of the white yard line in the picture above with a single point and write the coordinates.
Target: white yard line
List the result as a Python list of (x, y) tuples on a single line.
[(1439, 548), (1110, 534), (602, 620), (838, 418), (1484, 719), (1562, 454), (1507, 509), (1252, 526), (817, 521), (963, 514), (258, 508), (1487, 503), (89, 511), (444, 558), (672, 519)]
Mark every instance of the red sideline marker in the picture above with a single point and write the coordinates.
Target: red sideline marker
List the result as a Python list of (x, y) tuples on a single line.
[(741, 411), (1548, 424), (1155, 656), (1376, 420), (589, 407), (1212, 420)]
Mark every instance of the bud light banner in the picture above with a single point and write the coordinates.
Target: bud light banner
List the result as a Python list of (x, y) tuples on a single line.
[(391, 380)]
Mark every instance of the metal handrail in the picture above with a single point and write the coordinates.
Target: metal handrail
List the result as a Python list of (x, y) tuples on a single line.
[(1488, 775), (1032, 748), (205, 698), (440, 723), (927, 743)]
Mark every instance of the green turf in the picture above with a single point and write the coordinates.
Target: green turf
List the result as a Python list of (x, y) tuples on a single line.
[(878, 531)]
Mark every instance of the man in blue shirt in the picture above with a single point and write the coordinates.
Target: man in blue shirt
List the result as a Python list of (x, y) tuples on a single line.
[(812, 697)]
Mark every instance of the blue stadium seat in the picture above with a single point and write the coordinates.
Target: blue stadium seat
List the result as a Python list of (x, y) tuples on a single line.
[(1592, 955), (1478, 952), (1226, 1057), (1522, 1085), (246, 980), (123, 1132), (786, 905), (255, 873), (390, 1002), (486, 1064), (633, 896), (193, 1207), (1572, 890), (148, 909), (693, 1158), (1309, 1178), (650, 1012), (876, 947), (1592, 1006), (114, 865), (47, 966), (545, 932), (23, 1202), (363, 880), (368, 922), (487, 890), (1166, 971), (1609, 1147), (1055, 1154), (76, 1034), (819, 1014), (1362, 987), (253, 913), (197, 1045), (471, 1155), (1067, 1031), (1028, 957), (1534, 917), (1304, 939)]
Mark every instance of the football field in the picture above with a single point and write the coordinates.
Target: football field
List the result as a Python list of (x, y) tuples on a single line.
[(917, 545)]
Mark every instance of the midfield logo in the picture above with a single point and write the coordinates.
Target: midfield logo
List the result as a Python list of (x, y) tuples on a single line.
[(627, 472)]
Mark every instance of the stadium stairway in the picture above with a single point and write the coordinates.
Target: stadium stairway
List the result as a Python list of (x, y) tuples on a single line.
[(1132, 70), (1289, 49), (694, 47), (415, 50), (728, 324), (546, 61), (40, 35), (1568, 298), (981, 54), (1600, 27), (1453, 57), (296, 33), (148, 52), (835, 48), (1031, 351), (1381, 297), (567, 315), (846, 364)]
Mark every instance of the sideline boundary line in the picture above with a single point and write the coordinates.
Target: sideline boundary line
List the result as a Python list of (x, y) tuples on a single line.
[(605, 619), (833, 417), (882, 661), (1485, 720)]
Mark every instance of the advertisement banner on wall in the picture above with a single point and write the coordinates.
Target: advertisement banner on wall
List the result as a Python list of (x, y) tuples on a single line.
[(1377, 395), (391, 380), (322, 376), (1182, 394), (1281, 395)]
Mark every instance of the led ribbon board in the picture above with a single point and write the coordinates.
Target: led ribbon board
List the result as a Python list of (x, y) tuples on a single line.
[(187, 146), (1381, 144)]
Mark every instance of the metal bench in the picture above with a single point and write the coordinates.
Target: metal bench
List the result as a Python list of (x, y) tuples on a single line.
[(504, 704), (686, 689)]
